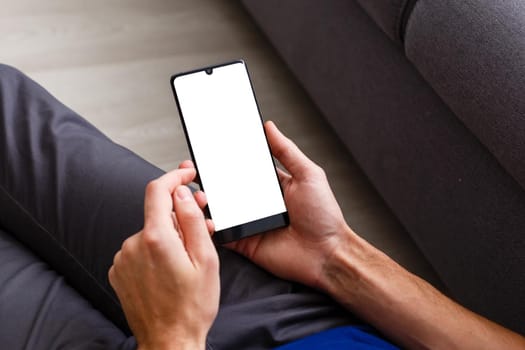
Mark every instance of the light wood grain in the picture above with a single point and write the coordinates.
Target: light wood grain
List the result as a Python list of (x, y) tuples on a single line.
[(110, 60)]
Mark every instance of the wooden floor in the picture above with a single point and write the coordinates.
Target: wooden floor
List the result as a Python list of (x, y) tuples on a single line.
[(110, 60)]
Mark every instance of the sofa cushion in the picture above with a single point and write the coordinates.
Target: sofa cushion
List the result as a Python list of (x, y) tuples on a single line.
[(440, 181), (472, 52), (390, 15)]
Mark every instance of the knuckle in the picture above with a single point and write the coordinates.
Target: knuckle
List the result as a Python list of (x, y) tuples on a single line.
[(318, 171), (152, 187), (151, 238), (116, 258), (192, 212), (111, 275), (321, 172), (210, 260), (195, 214), (125, 245), (128, 246)]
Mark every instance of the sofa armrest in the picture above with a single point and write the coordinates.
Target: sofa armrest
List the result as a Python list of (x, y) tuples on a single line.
[(391, 16), (472, 52)]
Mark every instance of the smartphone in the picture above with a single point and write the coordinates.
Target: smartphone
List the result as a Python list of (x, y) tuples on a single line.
[(227, 141)]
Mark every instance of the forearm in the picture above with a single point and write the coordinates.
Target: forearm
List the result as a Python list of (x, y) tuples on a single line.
[(403, 306)]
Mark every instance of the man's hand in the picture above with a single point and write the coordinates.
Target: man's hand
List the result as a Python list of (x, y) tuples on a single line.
[(298, 252), (320, 250), (167, 275)]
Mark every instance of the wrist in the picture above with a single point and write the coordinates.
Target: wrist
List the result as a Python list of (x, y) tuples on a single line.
[(356, 270), (370, 284), (174, 343), (338, 265)]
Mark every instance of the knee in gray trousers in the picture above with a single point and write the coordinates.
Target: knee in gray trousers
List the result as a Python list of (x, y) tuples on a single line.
[(69, 196)]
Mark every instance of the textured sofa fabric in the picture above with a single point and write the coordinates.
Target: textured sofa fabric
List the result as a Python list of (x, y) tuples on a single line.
[(425, 152), (391, 16), (472, 53)]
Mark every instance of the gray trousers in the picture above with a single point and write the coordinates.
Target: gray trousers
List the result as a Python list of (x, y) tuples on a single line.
[(69, 197)]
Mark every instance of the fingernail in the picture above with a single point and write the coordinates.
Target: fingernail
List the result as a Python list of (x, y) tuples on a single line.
[(183, 192)]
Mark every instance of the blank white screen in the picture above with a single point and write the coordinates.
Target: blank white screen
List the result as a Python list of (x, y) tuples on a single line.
[(229, 146)]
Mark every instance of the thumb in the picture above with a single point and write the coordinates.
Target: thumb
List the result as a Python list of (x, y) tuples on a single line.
[(288, 154), (192, 225)]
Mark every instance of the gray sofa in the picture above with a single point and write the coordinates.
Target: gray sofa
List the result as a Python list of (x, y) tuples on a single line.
[(428, 97)]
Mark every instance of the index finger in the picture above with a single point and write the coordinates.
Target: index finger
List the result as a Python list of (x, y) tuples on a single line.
[(158, 203)]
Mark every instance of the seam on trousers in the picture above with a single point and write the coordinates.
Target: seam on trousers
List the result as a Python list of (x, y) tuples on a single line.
[(33, 219)]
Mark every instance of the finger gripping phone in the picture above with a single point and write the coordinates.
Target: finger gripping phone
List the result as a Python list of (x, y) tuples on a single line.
[(228, 144)]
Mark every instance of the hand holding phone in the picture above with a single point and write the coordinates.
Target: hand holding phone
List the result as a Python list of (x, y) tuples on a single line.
[(224, 129), (317, 225)]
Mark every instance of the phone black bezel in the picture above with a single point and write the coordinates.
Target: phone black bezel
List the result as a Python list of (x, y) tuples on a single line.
[(250, 228)]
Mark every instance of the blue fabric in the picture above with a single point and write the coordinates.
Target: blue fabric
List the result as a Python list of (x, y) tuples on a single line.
[(348, 337)]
